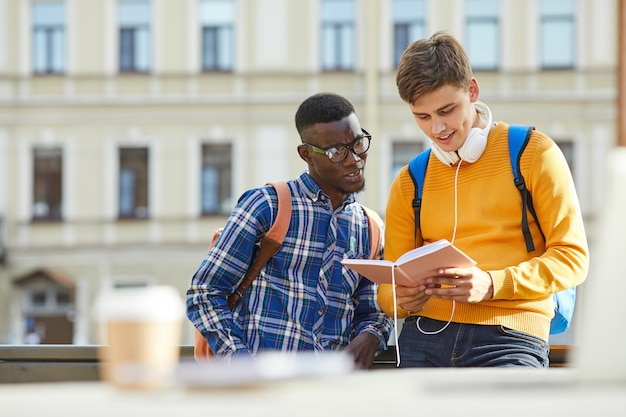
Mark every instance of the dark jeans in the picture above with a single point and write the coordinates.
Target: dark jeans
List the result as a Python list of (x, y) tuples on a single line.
[(468, 345)]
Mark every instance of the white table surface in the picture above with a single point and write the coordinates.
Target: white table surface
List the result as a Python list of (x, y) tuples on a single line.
[(387, 392)]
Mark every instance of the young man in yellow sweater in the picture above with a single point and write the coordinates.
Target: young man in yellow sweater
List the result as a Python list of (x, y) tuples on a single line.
[(497, 313)]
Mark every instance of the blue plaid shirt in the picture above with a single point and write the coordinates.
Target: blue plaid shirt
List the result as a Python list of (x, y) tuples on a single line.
[(304, 299)]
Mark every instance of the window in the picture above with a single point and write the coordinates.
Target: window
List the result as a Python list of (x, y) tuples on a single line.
[(63, 297), (483, 33), (216, 179), (49, 297), (133, 183), (557, 33), (567, 147), (134, 21), (403, 152), (216, 21), (38, 298), (121, 283), (48, 37), (47, 184), (408, 25), (337, 35)]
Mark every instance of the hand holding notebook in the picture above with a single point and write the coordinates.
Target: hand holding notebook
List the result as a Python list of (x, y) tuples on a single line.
[(413, 267)]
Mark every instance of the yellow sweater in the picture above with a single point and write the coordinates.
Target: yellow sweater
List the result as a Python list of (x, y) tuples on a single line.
[(489, 230)]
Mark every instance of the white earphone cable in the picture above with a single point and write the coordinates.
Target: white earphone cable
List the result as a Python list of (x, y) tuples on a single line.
[(456, 205), (395, 314)]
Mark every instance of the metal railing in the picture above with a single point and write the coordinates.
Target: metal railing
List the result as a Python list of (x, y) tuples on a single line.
[(57, 363)]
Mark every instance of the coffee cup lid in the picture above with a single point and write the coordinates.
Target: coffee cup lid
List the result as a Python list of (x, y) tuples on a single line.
[(156, 302)]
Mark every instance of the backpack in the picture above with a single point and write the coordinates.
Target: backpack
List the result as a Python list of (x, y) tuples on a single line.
[(519, 136), (269, 246)]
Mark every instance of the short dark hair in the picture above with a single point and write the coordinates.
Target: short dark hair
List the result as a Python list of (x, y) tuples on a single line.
[(322, 108)]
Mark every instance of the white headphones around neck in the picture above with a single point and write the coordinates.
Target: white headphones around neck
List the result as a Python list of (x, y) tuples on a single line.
[(474, 145)]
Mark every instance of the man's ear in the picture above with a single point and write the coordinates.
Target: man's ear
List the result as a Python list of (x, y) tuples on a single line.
[(474, 90), (305, 153)]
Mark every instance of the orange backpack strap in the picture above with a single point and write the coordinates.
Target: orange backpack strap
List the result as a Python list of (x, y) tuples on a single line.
[(271, 242), (279, 228), (375, 226), (269, 246)]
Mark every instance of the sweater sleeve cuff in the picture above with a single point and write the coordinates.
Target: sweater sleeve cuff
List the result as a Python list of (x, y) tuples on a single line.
[(502, 284)]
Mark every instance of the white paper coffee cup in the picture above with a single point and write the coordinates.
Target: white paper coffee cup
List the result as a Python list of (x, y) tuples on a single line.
[(141, 336)]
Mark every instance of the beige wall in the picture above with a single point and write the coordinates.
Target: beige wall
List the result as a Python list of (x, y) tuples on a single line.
[(91, 110)]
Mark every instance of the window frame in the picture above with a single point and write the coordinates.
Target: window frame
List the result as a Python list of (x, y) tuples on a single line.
[(486, 21), (47, 184), (217, 36), (134, 41), (53, 51), (338, 40), (410, 149), (405, 27), (550, 18), (223, 197), (140, 192), (568, 148)]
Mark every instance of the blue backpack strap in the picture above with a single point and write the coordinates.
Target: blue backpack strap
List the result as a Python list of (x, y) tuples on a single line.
[(564, 300), (417, 170), (518, 139)]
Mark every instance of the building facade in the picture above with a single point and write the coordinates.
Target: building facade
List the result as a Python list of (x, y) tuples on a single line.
[(128, 128)]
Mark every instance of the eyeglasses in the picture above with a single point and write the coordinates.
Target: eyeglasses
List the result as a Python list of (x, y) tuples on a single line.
[(338, 153)]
